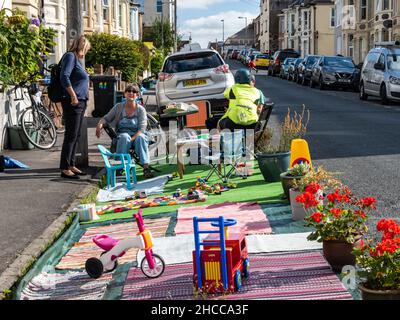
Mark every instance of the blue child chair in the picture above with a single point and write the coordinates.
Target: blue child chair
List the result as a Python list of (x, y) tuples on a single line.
[(126, 164)]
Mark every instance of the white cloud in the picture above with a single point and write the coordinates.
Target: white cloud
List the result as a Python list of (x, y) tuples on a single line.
[(205, 29), (200, 4)]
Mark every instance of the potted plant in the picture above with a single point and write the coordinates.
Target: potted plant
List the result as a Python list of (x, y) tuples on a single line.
[(379, 262), (291, 175), (339, 223), (275, 159), (317, 181)]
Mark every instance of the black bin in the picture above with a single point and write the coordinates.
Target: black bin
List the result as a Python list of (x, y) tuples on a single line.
[(105, 94)]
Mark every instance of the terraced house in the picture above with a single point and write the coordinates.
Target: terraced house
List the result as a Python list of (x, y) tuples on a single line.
[(363, 23), (308, 26)]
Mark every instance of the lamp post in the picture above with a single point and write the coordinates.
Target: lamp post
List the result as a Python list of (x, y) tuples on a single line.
[(223, 35), (246, 28)]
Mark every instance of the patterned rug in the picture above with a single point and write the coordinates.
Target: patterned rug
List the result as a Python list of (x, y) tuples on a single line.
[(249, 215), (68, 286), (294, 276), (86, 248)]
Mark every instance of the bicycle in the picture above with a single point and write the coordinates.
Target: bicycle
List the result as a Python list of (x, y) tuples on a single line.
[(35, 121)]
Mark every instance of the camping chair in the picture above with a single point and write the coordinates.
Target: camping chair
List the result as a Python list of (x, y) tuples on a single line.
[(125, 164), (229, 155)]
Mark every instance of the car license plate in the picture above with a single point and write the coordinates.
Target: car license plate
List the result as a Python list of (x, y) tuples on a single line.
[(194, 82), (345, 80)]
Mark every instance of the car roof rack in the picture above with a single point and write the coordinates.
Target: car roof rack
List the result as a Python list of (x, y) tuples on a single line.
[(386, 44)]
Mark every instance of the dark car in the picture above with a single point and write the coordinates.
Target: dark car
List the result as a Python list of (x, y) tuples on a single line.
[(284, 74), (278, 58), (235, 54), (293, 69), (335, 71), (305, 69)]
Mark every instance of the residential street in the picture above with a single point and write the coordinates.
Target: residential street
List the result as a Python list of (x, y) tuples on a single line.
[(359, 139)]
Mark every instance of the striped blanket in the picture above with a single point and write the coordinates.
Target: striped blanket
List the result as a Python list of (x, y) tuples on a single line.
[(293, 276), (86, 248)]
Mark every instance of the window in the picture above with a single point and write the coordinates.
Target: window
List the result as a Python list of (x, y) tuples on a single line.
[(386, 5), (306, 27), (159, 6), (292, 24), (363, 9), (85, 7), (192, 62), (120, 15), (385, 35), (105, 13), (333, 17), (351, 45)]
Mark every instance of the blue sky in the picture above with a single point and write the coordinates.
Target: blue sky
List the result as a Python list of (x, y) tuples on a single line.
[(203, 18)]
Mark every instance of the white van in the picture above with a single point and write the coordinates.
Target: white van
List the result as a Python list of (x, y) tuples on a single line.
[(380, 75)]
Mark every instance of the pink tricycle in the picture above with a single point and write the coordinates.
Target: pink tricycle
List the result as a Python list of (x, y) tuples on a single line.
[(152, 264)]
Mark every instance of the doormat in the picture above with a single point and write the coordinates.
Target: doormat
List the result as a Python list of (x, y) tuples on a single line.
[(86, 248), (249, 215), (293, 276), (66, 286)]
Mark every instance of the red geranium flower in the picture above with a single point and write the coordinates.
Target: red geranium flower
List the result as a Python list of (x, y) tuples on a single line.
[(317, 217), (313, 188), (336, 212), (369, 202)]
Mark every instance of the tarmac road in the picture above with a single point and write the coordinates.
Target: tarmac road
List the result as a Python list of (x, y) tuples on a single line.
[(360, 139)]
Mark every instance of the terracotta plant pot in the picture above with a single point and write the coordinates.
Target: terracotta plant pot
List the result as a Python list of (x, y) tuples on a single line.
[(369, 294), (339, 253)]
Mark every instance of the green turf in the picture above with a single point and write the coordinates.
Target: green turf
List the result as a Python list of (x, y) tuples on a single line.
[(254, 188)]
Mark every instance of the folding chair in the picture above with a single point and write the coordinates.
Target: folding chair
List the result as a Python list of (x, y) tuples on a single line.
[(229, 155), (125, 164)]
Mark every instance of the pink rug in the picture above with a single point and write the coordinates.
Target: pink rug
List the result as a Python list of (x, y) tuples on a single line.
[(286, 276), (249, 215)]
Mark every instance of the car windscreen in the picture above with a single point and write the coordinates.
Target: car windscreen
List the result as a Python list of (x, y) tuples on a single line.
[(284, 55), (262, 56), (393, 62), (339, 62), (288, 61), (312, 60), (192, 62)]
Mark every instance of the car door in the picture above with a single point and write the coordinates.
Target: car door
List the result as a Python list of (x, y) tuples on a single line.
[(378, 76), (368, 72)]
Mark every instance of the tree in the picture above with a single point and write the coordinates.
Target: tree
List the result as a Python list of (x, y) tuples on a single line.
[(161, 34)]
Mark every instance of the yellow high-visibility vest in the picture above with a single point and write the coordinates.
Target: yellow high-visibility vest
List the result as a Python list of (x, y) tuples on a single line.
[(242, 108)]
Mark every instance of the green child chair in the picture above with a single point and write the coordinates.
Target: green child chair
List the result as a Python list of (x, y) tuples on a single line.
[(126, 164)]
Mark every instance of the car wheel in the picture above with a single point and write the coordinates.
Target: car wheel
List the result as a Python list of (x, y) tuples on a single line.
[(384, 98), (321, 85), (363, 95)]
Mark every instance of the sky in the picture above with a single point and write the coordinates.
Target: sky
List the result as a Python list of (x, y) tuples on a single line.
[(202, 18)]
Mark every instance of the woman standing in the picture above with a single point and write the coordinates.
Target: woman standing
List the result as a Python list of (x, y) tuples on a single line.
[(75, 82)]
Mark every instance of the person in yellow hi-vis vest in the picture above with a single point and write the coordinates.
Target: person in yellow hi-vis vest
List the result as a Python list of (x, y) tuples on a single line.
[(245, 103)]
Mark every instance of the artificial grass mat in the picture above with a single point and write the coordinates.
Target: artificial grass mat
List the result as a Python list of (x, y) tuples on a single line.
[(254, 188)]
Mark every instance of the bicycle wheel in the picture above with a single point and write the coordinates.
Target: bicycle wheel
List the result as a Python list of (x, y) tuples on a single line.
[(38, 128)]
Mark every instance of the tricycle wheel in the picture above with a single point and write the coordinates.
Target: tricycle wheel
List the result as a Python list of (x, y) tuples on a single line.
[(158, 269), (246, 267), (115, 263), (238, 280), (94, 268)]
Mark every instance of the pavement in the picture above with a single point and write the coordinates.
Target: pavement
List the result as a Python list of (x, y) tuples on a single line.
[(36, 203)]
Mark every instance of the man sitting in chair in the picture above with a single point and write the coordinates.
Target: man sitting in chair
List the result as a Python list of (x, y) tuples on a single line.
[(129, 118), (245, 103)]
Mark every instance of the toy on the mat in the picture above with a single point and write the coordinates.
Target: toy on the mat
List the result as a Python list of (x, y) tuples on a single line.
[(152, 264), (178, 193), (175, 174), (232, 185), (219, 267), (141, 194), (194, 194), (217, 189), (201, 184)]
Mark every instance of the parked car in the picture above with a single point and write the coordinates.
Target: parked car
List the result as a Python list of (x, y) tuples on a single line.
[(235, 54), (380, 74), (241, 55), (262, 60), (293, 69), (305, 69), (278, 58), (190, 76), (227, 53), (284, 74), (251, 56), (335, 71)]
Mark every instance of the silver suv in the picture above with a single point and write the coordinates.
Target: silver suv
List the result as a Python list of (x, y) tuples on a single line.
[(380, 75), (192, 75)]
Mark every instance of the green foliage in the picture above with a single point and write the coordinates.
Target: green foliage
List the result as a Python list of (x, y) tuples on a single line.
[(131, 57), (155, 35), (21, 46), (157, 61), (299, 169)]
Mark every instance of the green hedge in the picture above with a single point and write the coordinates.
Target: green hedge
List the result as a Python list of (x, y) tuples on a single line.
[(128, 56)]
